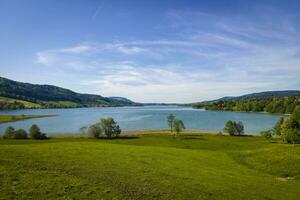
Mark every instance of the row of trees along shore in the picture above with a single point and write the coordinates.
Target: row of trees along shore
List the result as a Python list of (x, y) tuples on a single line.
[(34, 133), (284, 105), (286, 128)]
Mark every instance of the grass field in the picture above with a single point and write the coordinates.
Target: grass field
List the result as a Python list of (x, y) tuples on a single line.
[(13, 118), (27, 104), (150, 167)]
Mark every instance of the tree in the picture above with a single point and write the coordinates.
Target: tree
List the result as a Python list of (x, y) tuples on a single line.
[(234, 128), (35, 133), (106, 127), (83, 130), (178, 126), (95, 130), (171, 119), (20, 134), (290, 129), (229, 128), (9, 133), (110, 127), (239, 128), (277, 127)]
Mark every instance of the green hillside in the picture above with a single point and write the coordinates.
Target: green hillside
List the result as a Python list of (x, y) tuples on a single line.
[(150, 167), (283, 102), (25, 95)]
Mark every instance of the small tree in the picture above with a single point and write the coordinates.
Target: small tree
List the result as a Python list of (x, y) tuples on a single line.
[(171, 119), (239, 127), (234, 128), (229, 128), (83, 130), (35, 133), (110, 127), (277, 127), (95, 130), (20, 134), (178, 126), (9, 133)]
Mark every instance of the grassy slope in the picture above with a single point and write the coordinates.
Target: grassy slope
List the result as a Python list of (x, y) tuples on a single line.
[(150, 167), (13, 118), (27, 104)]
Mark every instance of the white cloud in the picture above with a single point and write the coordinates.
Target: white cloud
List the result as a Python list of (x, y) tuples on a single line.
[(208, 58)]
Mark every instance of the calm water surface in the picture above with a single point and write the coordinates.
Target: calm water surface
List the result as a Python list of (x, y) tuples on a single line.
[(138, 118)]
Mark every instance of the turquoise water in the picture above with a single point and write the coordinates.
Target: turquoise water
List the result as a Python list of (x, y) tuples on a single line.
[(138, 118)]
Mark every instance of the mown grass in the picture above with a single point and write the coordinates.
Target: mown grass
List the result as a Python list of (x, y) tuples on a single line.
[(150, 167), (13, 118)]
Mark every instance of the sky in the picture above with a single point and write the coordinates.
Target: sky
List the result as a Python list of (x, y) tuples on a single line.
[(153, 51)]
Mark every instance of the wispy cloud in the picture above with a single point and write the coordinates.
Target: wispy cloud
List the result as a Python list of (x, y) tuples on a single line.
[(207, 57)]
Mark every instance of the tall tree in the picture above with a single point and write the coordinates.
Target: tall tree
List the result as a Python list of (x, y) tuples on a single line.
[(229, 127), (110, 127), (178, 126), (290, 129), (171, 119), (9, 133)]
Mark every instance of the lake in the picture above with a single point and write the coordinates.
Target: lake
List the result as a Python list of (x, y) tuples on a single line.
[(139, 118)]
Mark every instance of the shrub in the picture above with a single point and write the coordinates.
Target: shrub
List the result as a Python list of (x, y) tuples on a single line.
[(20, 134), (9, 133), (267, 134), (95, 131)]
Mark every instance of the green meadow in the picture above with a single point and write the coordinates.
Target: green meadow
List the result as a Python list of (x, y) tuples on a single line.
[(13, 118), (150, 166)]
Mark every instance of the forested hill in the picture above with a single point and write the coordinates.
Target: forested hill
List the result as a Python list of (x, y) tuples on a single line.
[(51, 96), (259, 95), (270, 101)]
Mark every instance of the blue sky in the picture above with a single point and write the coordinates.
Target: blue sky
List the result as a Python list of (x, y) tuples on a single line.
[(153, 51)]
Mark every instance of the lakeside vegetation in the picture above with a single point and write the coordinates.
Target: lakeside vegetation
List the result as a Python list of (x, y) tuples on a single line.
[(288, 129), (283, 105), (150, 167), (13, 118)]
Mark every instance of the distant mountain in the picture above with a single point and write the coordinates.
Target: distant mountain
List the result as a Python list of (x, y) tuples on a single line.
[(259, 95), (122, 99), (53, 96)]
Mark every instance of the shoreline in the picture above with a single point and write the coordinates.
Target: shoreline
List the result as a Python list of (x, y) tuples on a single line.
[(15, 118), (137, 133)]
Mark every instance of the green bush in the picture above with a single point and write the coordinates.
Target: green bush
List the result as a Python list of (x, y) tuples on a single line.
[(95, 131), (20, 134), (267, 134)]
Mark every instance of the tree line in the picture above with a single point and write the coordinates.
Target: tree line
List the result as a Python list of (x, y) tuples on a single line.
[(34, 133), (285, 105)]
